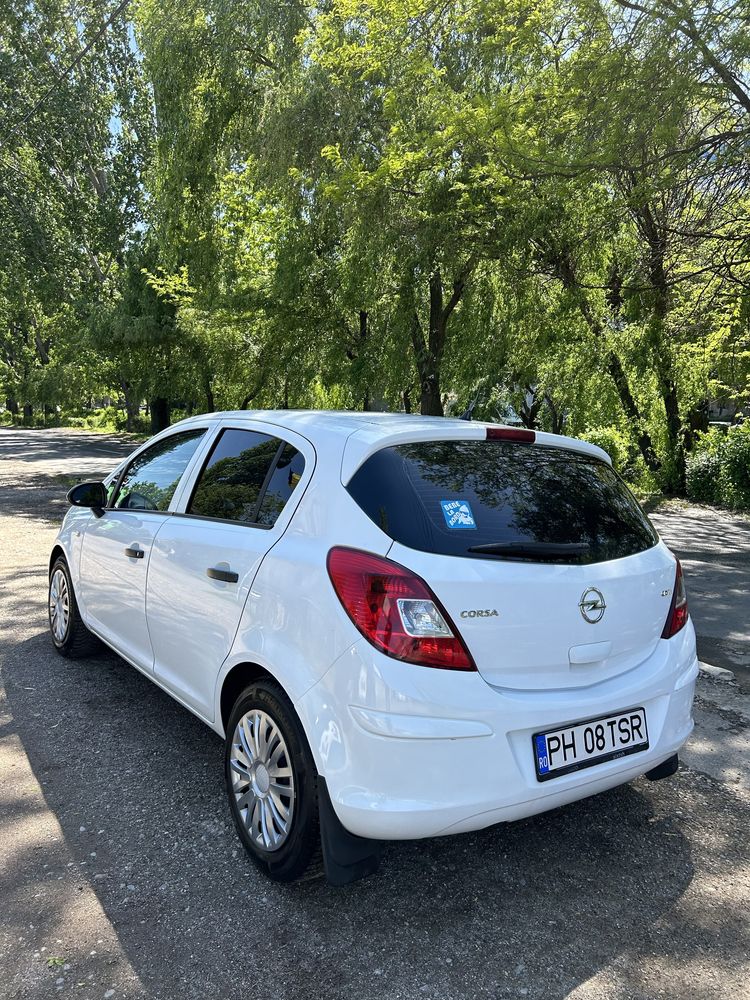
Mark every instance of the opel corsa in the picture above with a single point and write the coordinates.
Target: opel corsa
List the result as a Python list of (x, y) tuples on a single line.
[(402, 626)]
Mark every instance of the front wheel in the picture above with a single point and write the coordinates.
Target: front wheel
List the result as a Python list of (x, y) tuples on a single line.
[(69, 634), (272, 783)]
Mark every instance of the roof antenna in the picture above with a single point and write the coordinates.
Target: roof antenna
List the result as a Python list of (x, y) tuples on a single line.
[(467, 414)]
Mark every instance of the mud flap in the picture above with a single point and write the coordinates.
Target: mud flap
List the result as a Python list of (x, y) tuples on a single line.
[(664, 770), (346, 858)]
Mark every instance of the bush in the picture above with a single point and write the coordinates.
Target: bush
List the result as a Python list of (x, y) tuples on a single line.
[(735, 470), (719, 470), (616, 444), (702, 477)]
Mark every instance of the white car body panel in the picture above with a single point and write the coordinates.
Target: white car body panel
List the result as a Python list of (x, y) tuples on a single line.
[(184, 549), (407, 751), (113, 584), (393, 787), (539, 640)]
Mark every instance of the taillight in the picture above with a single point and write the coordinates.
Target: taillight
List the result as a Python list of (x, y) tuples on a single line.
[(395, 610), (678, 609), (510, 434)]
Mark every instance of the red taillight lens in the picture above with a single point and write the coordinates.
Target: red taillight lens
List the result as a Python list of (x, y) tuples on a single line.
[(510, 434), (678, 610), (395, 610)]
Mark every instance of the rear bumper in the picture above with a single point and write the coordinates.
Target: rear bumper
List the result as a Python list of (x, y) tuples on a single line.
[(411, 752)]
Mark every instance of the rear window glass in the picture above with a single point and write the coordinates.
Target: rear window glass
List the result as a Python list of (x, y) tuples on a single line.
[(528, 502)]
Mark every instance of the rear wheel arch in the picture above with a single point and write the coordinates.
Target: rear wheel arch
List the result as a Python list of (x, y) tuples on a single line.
[(241, 676)]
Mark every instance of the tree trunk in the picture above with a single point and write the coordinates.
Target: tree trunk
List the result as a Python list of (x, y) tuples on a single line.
[(565, 272), (11, 405), (208, 389), (557, 417), (431, 400), (668, 389), (159, 414), (697, 422), (28, 413), (663, 362), (428, 352), (363, 332), (645, 445), (131, 405), (530, 407)]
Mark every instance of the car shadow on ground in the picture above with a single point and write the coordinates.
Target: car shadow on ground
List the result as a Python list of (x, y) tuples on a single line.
[(530, 909)]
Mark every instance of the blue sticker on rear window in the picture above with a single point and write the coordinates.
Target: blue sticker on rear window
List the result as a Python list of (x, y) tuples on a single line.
[(457, 514)]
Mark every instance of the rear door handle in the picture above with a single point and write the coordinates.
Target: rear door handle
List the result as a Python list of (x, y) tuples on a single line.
[(134, 553), (226, 575)]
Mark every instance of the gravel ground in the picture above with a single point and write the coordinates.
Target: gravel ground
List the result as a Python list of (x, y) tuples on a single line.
[(715, 553), (120, 875)]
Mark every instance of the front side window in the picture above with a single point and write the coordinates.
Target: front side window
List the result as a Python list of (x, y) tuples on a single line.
[(151, 479), (248, 478), (110, 483)]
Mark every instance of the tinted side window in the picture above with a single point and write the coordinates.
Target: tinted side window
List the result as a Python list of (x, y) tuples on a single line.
[(286, 474), (152, 477), (232, 481)]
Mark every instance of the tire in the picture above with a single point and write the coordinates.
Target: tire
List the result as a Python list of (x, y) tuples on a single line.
[(272, 784), (69, 634)]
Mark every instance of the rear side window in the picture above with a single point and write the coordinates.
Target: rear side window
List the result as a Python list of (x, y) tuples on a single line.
[(248, 478), (525, 501), (152, 477), (285, 476)]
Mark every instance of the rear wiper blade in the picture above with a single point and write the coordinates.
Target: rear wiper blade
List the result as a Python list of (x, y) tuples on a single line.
[(548, 550)]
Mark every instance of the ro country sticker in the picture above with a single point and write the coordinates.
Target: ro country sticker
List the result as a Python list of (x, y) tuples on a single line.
[(457, 514)]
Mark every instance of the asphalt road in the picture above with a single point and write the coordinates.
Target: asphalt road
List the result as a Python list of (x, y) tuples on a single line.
[(120, 875)]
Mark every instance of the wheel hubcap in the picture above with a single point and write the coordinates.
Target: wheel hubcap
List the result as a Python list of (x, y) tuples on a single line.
[(59, 605), (262, 780)]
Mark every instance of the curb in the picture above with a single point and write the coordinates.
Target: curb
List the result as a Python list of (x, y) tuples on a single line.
[(716, 673)]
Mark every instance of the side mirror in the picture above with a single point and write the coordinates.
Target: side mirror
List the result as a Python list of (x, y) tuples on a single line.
[(93, 495)]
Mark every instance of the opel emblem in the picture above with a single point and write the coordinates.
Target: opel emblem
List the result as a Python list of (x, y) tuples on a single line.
[(592, 605)]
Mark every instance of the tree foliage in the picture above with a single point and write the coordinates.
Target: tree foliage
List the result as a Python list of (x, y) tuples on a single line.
[(527, 210)]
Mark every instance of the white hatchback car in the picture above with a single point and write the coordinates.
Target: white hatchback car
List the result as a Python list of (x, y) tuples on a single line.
[(403, 626)]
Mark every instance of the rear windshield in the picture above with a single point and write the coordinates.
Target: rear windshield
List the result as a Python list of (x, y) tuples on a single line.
[(528, 502)]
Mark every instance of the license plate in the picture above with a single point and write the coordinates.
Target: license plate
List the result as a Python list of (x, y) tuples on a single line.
[(584, 744)]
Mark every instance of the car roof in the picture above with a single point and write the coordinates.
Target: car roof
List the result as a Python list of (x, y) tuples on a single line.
[(342, 422), (357, 434)]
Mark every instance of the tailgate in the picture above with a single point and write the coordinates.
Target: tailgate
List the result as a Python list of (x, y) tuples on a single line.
[(532, 626)]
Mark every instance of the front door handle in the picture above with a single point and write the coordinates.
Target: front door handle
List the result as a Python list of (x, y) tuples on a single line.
[(134, 553), (225, 575)]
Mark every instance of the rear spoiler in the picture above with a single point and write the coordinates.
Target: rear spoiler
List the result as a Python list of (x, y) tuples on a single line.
[(366, 441)]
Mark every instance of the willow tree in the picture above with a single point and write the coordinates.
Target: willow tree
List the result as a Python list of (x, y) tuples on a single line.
[(74, 134)]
